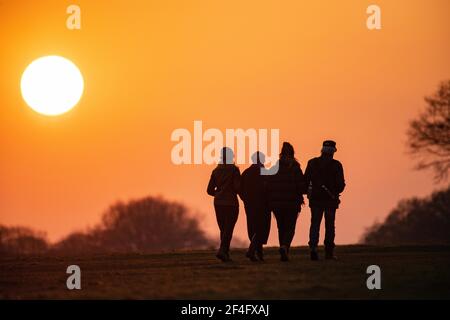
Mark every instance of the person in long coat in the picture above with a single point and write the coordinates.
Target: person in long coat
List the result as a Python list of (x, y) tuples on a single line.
[(253, 194)]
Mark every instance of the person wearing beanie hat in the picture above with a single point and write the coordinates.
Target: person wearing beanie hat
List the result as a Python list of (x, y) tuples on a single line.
[(325, 182)]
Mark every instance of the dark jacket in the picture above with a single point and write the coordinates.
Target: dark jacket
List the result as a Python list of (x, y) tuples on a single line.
[(252, 186), (224, 185), (328, 172), (286, 187)]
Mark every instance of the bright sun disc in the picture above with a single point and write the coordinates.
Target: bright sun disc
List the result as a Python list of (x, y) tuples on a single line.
[(52, 85)]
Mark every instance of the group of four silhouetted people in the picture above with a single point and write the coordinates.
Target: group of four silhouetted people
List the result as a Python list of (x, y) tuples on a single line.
[(281, 192)]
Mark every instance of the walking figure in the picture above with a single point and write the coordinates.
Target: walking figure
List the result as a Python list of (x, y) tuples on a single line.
[(224, 187), (285, 193), (325, 180), (253, 194)]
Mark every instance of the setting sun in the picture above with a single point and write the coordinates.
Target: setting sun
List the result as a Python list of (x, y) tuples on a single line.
[(298, 150), (52, 85)]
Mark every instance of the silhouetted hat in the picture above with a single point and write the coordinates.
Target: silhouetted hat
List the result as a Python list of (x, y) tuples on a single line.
[(329, 145)]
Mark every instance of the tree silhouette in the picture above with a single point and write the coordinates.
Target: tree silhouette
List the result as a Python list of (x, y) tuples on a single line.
[(429, 135), (21, 240), (144, 225), (414, 221)]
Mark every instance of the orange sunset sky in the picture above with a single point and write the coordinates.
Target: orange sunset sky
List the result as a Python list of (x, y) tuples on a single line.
[(309, 68)]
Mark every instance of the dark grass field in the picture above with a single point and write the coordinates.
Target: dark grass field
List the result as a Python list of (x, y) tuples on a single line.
[(406, 273)]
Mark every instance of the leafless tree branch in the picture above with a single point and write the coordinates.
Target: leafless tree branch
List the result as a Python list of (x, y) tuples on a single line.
[(429, 134)]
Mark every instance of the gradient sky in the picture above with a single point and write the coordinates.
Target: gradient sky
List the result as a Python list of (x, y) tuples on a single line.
[(309, 68)]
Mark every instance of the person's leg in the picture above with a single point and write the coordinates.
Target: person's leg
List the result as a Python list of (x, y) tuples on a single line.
[(220, 217), (221, 221), (279, 217), (231, 217), (330, 217), (291, 222), (265, 225), (263, 230), (316, 219), (253, 246), (260, 252), (258, 224), (250, 215), (252, 212), (251, 231)]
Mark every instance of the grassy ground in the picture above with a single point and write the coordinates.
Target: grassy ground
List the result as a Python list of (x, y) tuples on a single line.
[(407, 272)]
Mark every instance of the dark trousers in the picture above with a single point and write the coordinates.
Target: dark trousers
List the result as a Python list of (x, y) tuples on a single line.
[(226, 219), (258, 224), (316, 218), (286, 222)]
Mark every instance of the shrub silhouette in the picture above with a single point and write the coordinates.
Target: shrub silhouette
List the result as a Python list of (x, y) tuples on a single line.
[(144, 225), (79, 243), (414, 221), (21, 240)]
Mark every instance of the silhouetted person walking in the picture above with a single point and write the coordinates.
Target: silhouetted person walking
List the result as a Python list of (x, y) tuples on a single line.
[(325, 179), (224, 187), (256, 207), (285, 191)]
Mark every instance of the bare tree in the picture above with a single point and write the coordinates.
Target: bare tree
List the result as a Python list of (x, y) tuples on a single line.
[(429, 135)]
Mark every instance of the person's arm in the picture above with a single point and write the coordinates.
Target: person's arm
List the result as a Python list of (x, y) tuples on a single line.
[(308, 173), (211, 190), (300, 181), (340, 180), (242, 187), (307, 176), (237, 181)]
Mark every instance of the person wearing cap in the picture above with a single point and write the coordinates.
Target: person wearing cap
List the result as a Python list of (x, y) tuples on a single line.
[(224, 186), (285, 191), (325, 182), (256, 209)]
